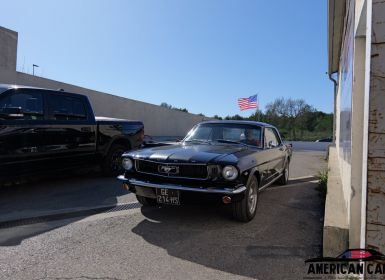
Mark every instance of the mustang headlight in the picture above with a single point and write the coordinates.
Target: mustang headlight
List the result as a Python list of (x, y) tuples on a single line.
[(229, 172), (127, 163)]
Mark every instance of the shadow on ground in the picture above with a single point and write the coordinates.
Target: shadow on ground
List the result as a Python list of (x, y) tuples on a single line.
[(285, 232), (66, 198)]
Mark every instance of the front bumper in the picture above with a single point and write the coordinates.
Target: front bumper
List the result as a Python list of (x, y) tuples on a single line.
[(228, 191)]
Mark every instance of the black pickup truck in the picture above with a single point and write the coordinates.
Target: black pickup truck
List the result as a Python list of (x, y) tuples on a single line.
[(43, 130)]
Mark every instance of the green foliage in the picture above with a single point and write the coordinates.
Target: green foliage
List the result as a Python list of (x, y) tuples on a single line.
[(295, 119), (165, 105), (169, 106), (235, 117), (180, 109), (322, 182)]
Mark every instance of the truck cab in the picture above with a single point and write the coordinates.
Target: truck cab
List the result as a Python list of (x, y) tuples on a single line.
[(43, 130)]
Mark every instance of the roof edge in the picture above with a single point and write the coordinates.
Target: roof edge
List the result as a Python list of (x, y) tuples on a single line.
[(336, 16)]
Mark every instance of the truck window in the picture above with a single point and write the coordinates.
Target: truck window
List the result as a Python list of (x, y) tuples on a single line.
[(28, 102), (67, 108)]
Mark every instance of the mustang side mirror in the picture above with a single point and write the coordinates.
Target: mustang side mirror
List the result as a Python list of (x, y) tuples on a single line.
[(271, 144)]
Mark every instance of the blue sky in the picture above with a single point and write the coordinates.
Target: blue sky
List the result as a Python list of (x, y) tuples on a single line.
[(196, 54)]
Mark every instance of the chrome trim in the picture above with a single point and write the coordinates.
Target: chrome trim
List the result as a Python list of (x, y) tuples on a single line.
[(180, 163), (140, 183), (271, 182), (173, 164)]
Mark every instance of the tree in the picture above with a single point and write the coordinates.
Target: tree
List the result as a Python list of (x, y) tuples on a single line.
[(289, 113), (257, 116), (166, 105), (169, 106), (180, 109), (235, 117)]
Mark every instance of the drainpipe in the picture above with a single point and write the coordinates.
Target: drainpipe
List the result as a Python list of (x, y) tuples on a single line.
[(335, 106)]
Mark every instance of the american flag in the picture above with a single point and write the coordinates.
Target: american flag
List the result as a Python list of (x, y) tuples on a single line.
[(248, 103)]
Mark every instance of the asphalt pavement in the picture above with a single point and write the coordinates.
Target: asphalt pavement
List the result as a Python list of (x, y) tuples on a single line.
[(88, 227)]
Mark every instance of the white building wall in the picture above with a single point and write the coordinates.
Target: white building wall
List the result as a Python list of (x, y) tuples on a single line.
[(350, 115), (375, 218)]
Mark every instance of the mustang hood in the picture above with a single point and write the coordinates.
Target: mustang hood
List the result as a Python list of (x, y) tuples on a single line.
[(192, 153)]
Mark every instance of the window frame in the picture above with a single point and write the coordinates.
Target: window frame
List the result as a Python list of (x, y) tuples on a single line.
[(50, 111), (13, 91), (241, 126), (277, 135)]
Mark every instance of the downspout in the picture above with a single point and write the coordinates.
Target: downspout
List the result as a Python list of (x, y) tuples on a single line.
[(335, 106)]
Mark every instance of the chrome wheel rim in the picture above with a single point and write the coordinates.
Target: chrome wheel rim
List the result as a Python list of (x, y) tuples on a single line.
[(287, 173), (252, 198)]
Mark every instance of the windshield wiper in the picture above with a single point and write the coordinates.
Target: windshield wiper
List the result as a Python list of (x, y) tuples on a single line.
[(230, 142), (201, 141)]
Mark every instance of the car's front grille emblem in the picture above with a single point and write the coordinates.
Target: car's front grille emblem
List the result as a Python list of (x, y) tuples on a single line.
[(167, 169), (177, 170)]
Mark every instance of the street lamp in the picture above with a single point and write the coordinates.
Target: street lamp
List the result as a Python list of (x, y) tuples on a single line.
[(33, 69)]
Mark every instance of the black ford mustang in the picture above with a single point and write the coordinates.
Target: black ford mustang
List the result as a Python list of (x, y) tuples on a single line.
[(233, 160)]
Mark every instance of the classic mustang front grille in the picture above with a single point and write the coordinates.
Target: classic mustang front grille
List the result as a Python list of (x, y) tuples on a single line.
[(177, 170)]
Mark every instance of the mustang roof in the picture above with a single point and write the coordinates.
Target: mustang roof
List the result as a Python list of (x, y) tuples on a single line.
[(240, 122)]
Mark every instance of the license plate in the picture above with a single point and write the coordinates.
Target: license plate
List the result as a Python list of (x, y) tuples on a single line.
[(167, 196)]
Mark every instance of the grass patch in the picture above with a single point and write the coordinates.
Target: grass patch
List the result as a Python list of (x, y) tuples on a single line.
[(322, 183)]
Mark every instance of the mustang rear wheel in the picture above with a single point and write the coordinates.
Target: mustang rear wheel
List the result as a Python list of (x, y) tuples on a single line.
[(145, 201), (244, 210), (285, 175)]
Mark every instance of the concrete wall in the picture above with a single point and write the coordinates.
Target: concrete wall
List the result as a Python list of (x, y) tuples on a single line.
[(8, 48), (375, 218), (158, 121)]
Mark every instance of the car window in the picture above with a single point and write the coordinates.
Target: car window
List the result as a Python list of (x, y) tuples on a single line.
[(222, 132), (23, 105), (234, 134), (203, 133), (66, 108), (271, 137)]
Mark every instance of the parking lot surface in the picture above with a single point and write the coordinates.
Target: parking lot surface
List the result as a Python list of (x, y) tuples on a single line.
[(88, 227)]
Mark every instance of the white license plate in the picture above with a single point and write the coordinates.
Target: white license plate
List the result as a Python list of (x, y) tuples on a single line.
[(167, 196)]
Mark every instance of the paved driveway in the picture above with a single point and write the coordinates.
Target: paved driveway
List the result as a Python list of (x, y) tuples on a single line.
[(132, 242)]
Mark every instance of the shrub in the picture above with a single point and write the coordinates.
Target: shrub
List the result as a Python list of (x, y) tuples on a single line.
[(322, 182)]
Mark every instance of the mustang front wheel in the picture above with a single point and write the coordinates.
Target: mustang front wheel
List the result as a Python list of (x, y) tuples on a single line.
[(244, 210), (112, 164)]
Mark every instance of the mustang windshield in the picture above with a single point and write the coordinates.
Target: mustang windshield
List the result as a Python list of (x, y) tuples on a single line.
[(226, 133)]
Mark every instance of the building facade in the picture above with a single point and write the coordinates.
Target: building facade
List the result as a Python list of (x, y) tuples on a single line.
[(355, 203)]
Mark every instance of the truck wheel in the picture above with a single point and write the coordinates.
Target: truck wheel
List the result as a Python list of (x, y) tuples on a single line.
[(244, 210), (112, 164), (285, 175), (145, 201)]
